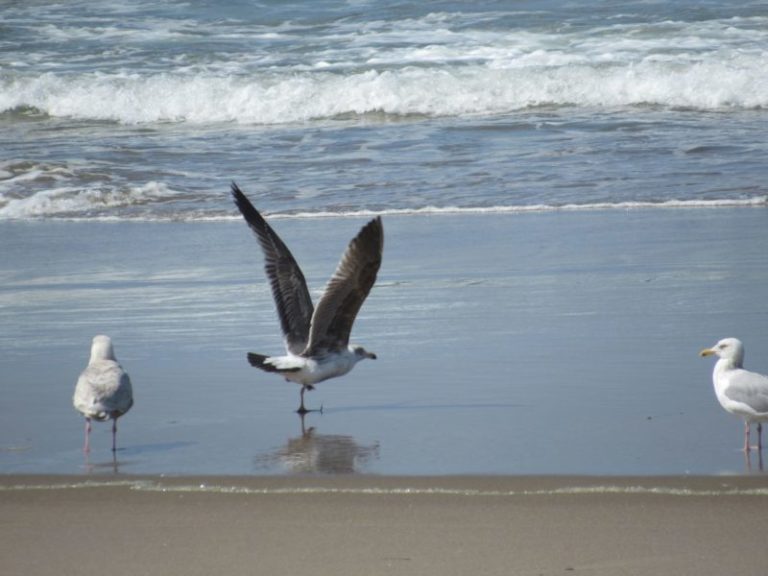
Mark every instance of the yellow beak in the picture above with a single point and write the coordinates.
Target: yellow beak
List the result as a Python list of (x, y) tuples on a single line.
[(707, 352)]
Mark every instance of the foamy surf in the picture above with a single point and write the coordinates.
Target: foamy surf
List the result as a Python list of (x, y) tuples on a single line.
[(708, 84), (405, 490), (597, 206), (435, 65), (71, 202), (100, 205)]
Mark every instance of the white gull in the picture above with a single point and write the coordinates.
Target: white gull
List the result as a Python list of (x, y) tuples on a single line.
[(316, 339), (103, 390), (739, 391)]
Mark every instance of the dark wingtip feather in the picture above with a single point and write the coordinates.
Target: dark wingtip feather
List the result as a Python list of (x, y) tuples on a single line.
[(237, 194), (244, 205), (374, 230), (253, 217)]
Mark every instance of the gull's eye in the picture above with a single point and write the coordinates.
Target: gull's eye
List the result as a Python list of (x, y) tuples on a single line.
[(723, 346)]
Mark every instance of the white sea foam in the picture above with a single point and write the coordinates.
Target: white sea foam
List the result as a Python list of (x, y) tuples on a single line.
[(756, 202), (152, 486), (738, 83), (449, 70), (96, 205), (76, 202)]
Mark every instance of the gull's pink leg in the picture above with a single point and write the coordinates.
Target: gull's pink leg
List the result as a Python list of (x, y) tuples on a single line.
[(87, 445), (759, 436), (746, 436), (114, 435)]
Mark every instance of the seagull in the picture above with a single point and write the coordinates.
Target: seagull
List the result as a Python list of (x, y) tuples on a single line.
[(739, 391), (316, 339), (103, 391)]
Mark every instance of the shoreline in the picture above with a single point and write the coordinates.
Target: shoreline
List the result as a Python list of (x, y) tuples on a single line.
[(478, 484), (756, 202), (346, 525)]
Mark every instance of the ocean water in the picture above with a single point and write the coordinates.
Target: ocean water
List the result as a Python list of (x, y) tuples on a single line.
[(574, 197), (148, 110)]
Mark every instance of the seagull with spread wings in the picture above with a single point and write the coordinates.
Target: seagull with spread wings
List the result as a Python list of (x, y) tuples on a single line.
[(316, 339)]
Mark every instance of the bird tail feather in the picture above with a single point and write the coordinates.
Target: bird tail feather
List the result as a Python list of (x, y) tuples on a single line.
[(263, 362)]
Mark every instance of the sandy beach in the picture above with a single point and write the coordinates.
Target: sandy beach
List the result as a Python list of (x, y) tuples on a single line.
[(384, 525)]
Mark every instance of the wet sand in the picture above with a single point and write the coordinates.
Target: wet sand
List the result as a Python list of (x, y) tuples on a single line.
[(552, 343), (384, 525)]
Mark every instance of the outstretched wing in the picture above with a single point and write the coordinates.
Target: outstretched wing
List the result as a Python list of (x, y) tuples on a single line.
[(289, 289), (347, 290)]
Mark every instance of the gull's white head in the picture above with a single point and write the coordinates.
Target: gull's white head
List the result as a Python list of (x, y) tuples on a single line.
[(101, 348), (728, 349)]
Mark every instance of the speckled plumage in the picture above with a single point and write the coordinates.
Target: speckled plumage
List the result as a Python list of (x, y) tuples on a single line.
[(316, 339), (103, 390)]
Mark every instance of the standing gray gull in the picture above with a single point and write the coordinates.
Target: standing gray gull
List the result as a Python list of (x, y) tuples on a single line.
[(739, 391), (316, 339), (103, 391)]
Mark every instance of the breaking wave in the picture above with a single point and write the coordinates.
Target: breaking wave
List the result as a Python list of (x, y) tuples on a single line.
[(141, 203), (473, 90), (431, 66)]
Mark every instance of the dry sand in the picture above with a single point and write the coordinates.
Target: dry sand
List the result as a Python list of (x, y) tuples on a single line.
[(372, 525)]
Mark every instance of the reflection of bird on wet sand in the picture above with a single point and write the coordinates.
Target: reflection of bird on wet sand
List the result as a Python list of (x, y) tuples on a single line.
[(316, 339), (112, 465), (103, 391), (320, 453)]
